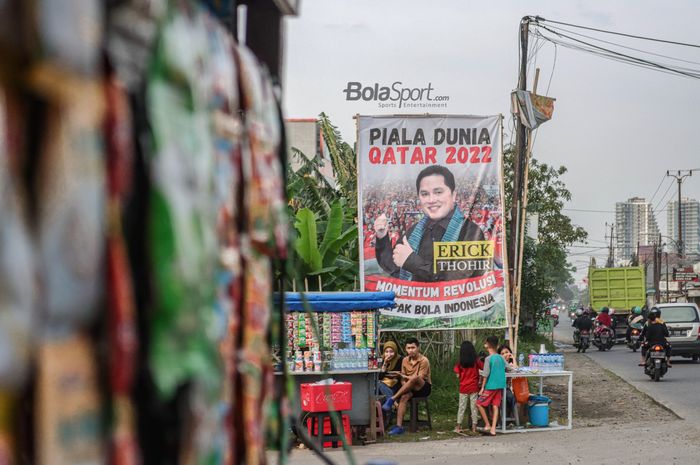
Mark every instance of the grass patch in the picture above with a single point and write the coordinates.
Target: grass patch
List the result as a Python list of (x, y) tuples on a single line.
[(443, 426), (444, 398)]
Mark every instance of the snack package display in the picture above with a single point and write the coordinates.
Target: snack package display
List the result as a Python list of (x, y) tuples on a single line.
[(183, 217), (143, 225), (68, 403), (264, 237), (71, 214), (121, 311)]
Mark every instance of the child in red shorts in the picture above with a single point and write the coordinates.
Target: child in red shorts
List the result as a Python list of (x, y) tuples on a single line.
[(494, 381)]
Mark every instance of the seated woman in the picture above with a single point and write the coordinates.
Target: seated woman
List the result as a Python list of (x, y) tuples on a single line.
[(505, 352), (388, 382)]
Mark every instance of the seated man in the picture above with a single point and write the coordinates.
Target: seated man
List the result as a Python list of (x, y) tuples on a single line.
[(415, 376)]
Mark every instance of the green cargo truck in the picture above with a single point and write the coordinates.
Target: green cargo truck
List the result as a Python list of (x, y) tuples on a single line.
[(619, 289)]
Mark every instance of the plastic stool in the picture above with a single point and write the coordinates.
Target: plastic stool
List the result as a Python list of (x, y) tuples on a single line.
[(380, 419), (416, 422)]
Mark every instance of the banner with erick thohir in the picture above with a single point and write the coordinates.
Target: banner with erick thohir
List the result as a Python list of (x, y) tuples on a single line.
[(431, 221)]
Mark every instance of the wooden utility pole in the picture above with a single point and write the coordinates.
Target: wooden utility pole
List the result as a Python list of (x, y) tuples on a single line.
[(516, 211)]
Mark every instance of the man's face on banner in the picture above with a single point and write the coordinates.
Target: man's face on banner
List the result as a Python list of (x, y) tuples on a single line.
[(436, 198)]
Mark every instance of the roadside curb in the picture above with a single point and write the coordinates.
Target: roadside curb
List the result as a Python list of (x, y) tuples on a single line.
[(616, 376)]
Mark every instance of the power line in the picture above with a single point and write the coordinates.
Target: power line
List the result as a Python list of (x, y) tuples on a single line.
[(604, 52), (672, 42), (597, 53), (614, 55), (626, 47), (663, 198), (601, 211), (663, 177), (587, 210), (554, 64)]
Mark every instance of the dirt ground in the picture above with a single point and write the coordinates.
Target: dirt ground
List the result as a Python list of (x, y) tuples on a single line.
[(623, 414), (601, 397), (621, 403)]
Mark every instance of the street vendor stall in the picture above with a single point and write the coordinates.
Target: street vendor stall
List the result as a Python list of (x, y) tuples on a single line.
[(541, 366), (335, 335)]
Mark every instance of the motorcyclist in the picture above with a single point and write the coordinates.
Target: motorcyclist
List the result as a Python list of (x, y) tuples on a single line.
[(634, 321), (604, 317), (655, 332), (604, 322), (582, 322)]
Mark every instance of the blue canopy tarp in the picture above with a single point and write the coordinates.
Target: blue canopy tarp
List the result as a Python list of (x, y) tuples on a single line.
[(338, 301)]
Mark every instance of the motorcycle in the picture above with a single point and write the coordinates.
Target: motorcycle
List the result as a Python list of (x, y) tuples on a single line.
[(655, 364), (634, 343), (603, 338), (582, 340)]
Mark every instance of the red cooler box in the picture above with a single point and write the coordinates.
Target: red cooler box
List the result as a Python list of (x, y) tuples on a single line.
[(318, 397)]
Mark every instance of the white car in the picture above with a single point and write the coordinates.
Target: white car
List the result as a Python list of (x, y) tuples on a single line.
[(683, 322)]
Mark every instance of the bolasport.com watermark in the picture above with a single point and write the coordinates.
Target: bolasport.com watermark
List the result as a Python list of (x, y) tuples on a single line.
[(395, 95)]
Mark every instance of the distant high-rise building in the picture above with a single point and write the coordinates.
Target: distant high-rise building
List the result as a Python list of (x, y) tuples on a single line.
[(305, 135), (690, 214), (635, 224)]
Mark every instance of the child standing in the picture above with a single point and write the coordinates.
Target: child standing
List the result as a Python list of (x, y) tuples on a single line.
[(468, 373), (494, 381)]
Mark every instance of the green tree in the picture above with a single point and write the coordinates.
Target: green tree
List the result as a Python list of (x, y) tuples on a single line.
[(545, 266)]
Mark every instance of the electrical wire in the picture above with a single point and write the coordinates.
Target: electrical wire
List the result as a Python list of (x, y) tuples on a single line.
[(616, 56), (587, 210), (663, 176), (554, 64), (625, 46), (603, 52), (590, 252), (551, 75), (619, 33), (663, 197)]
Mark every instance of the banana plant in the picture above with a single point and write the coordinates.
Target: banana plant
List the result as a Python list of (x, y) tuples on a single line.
[(323, 261)]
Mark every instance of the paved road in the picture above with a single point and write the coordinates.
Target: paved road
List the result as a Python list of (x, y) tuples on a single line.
[(679, 390), (677, 442)]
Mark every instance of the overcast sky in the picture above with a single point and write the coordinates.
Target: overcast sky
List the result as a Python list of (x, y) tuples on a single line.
[(617, 128)]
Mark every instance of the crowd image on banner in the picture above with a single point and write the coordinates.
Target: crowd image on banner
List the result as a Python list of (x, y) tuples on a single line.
[(398, 202)]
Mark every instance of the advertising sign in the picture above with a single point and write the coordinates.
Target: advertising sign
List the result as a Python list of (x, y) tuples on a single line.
[(684, 274), (431, 219)]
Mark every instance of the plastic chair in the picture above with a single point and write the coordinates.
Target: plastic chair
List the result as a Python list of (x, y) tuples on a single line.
[(380, 419)]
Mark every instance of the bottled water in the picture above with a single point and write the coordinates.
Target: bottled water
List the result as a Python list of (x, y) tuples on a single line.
[(521, 360)]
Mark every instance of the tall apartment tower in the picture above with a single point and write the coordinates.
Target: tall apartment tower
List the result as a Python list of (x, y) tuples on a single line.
[(635, 224), (690, 219)]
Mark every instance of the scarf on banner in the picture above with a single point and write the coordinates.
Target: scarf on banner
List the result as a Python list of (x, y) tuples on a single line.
[(451, 235)]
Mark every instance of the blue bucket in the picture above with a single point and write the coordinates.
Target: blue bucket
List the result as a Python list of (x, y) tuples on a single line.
[(538, 410)]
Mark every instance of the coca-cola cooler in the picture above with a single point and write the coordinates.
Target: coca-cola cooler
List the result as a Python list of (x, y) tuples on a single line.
[(317, 397)]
